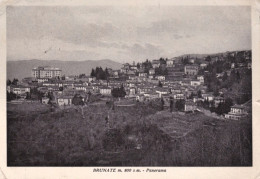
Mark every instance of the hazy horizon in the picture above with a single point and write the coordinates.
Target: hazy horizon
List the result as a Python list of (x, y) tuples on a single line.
[(124, 34)]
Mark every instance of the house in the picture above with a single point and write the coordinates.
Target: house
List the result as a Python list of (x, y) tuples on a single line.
[(169, 63), (203, 65), (160, 78), (162, 91), (191, 60), (151, 71), (132, 91), (140, 98), (191, 69), (19, 89), (207, 96), (80, 87), (131, 72), (175, 89), (41, 80), (150, 76), (236, 112), (197, 99), (218, 100), (142, 74), (126, 66), (64, 100), (144, 89), (151, 96), (201, 79), (156, 63), (178, 96), (46, 72), (194, 82), (115, 73), (133, 67), (105, 90), (189, 106), (45, 100)]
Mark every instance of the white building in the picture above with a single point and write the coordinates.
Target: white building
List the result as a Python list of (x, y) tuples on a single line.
[(201, 79), (169, 63), (236, 112), (46, 72), (19, 90), (105, 90), (194, 82), (160, 78)]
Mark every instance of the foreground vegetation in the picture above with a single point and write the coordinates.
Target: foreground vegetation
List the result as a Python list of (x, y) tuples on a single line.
[(139, 135)]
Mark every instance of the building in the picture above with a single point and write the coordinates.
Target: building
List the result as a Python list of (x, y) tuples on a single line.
[(236, 112), (143, 74), (46, 72), (132, 91), (218, 100), (105, 90), (41, 80), (201, 79), (207, 97), (189, 106), (64, 100), (162, 91), (191, 60), (160, 78), (151, 71), (191, 69), (169, 63), (19, 89), (194, 82), (203, 65), (45, 100), (140, 98), (178, 96), (156, 63)]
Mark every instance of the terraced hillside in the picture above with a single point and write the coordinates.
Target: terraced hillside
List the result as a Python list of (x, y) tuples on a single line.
[(138, 135)]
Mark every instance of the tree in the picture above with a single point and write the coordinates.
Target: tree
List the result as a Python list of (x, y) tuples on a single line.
[(118, 92), (225, 77), (162, 104), (77, 100), (8, 82), (93, 74), (138, 65), (11, 96), (179, 105), (208, 59), (171, 104), (160, 84), (28, 95), (199, 94), (15, 81), (82, 75), (63, 77)]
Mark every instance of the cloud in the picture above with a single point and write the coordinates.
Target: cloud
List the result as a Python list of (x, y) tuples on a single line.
[(121, 33), (139, 51)]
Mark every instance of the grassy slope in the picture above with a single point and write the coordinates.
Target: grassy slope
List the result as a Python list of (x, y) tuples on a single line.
[(66, 138)]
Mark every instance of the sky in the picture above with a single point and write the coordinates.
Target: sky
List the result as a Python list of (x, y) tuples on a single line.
[(124, 33)]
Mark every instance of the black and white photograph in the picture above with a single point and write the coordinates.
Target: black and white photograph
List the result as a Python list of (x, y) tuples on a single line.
[(129, 86)]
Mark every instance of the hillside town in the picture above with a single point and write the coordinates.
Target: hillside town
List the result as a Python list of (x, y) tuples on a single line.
[(216, 84)]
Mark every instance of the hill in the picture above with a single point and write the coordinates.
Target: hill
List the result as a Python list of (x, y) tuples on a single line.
[(22, 68), (202, 56)]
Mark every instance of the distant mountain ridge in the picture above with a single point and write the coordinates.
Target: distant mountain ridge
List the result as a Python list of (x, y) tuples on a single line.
[(22, 68), (211, 54)]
